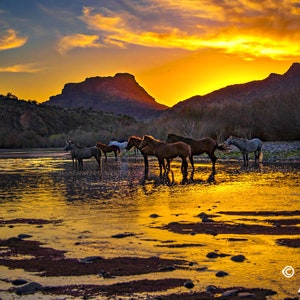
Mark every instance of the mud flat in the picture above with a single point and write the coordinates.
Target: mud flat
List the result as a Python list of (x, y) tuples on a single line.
[(34, 257)]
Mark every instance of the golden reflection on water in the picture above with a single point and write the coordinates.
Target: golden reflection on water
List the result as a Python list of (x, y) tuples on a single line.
[(90, 206)]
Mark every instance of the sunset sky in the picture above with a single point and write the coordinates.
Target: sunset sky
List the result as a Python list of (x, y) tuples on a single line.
[(175, 48)]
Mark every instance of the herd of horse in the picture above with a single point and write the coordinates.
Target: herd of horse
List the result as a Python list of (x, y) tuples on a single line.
[(165, 151)]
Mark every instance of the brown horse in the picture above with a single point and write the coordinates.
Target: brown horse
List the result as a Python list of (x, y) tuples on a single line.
[(205, 145), (168, 151), (106, 148), (134, 141)]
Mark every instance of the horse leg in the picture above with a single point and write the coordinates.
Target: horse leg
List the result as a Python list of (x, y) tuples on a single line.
[(244, 159), (184, 167), (98, 160), (105, 156), (116, 157), (146, 163), (247, 159), (255, 156), (80, 164), (192, 162), (213, 159), (161, 164)]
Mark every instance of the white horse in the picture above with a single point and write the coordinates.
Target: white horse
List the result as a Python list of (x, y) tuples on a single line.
[(247, 146), (121, 145)]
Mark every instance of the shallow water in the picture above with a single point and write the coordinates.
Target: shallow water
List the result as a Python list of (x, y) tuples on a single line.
[(90, 206)]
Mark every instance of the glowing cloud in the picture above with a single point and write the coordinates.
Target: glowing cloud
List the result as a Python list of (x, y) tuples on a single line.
[(78, 41), (244, 27), (10, 39), (20, 68)]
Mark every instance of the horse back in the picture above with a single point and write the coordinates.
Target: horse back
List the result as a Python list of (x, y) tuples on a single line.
[(172, 150)]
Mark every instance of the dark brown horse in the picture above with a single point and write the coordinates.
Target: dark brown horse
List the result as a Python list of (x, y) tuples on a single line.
[(168, 151), (205, 145), (134, 141), (106, 149)]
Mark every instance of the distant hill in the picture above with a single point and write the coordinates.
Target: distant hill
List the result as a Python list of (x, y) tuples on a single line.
[(268, 108), (120, 94), (274, 85), (26, 124)]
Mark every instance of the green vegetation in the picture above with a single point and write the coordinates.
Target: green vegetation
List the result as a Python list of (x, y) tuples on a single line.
[(270, 119), (26, 124)]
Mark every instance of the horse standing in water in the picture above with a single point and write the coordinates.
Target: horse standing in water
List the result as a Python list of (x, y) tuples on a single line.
[(168, 151), (106, 148), (247, 146), (79, 153), (205, 145), (135, 141)]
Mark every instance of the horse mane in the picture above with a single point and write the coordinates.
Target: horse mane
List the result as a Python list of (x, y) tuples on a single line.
[(152, 138), (77, 145), (239, 138), (135, 137)]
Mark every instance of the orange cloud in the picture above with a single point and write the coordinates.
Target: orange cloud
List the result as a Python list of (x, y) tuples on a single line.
[(10, 39), (24, 68), (244, 27), (78, 41)]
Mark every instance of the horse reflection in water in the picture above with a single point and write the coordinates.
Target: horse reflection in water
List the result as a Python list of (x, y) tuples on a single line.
[(78, 153), (168, 151), (247, 146)]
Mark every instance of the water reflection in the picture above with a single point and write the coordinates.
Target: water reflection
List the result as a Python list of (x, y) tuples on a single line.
[(95, 204)]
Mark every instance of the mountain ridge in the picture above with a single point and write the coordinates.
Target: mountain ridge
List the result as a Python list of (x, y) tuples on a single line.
[(120, 94), (249, 90)]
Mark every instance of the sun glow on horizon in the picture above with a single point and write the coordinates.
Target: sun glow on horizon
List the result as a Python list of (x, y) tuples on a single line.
[(176, 49)]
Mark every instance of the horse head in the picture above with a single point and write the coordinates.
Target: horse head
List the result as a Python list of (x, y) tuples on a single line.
[(68, 145), (144, 142), (229, 141)]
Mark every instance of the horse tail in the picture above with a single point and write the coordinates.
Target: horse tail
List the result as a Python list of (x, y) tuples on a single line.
[(260, 157)]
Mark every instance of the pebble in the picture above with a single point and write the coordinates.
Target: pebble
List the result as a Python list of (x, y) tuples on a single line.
[(166, 269), (246, 295), (19, 281), (24, 236), (238, 258), (154, 216), (221, 274), (212, 255), (189, 284), (211, 288), (90, 259), (29, 288), (215, 255), (230, 293), (105, 274), (122, 235)]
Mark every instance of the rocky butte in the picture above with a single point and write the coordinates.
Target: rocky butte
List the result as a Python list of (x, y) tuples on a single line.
[(120, 94)]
